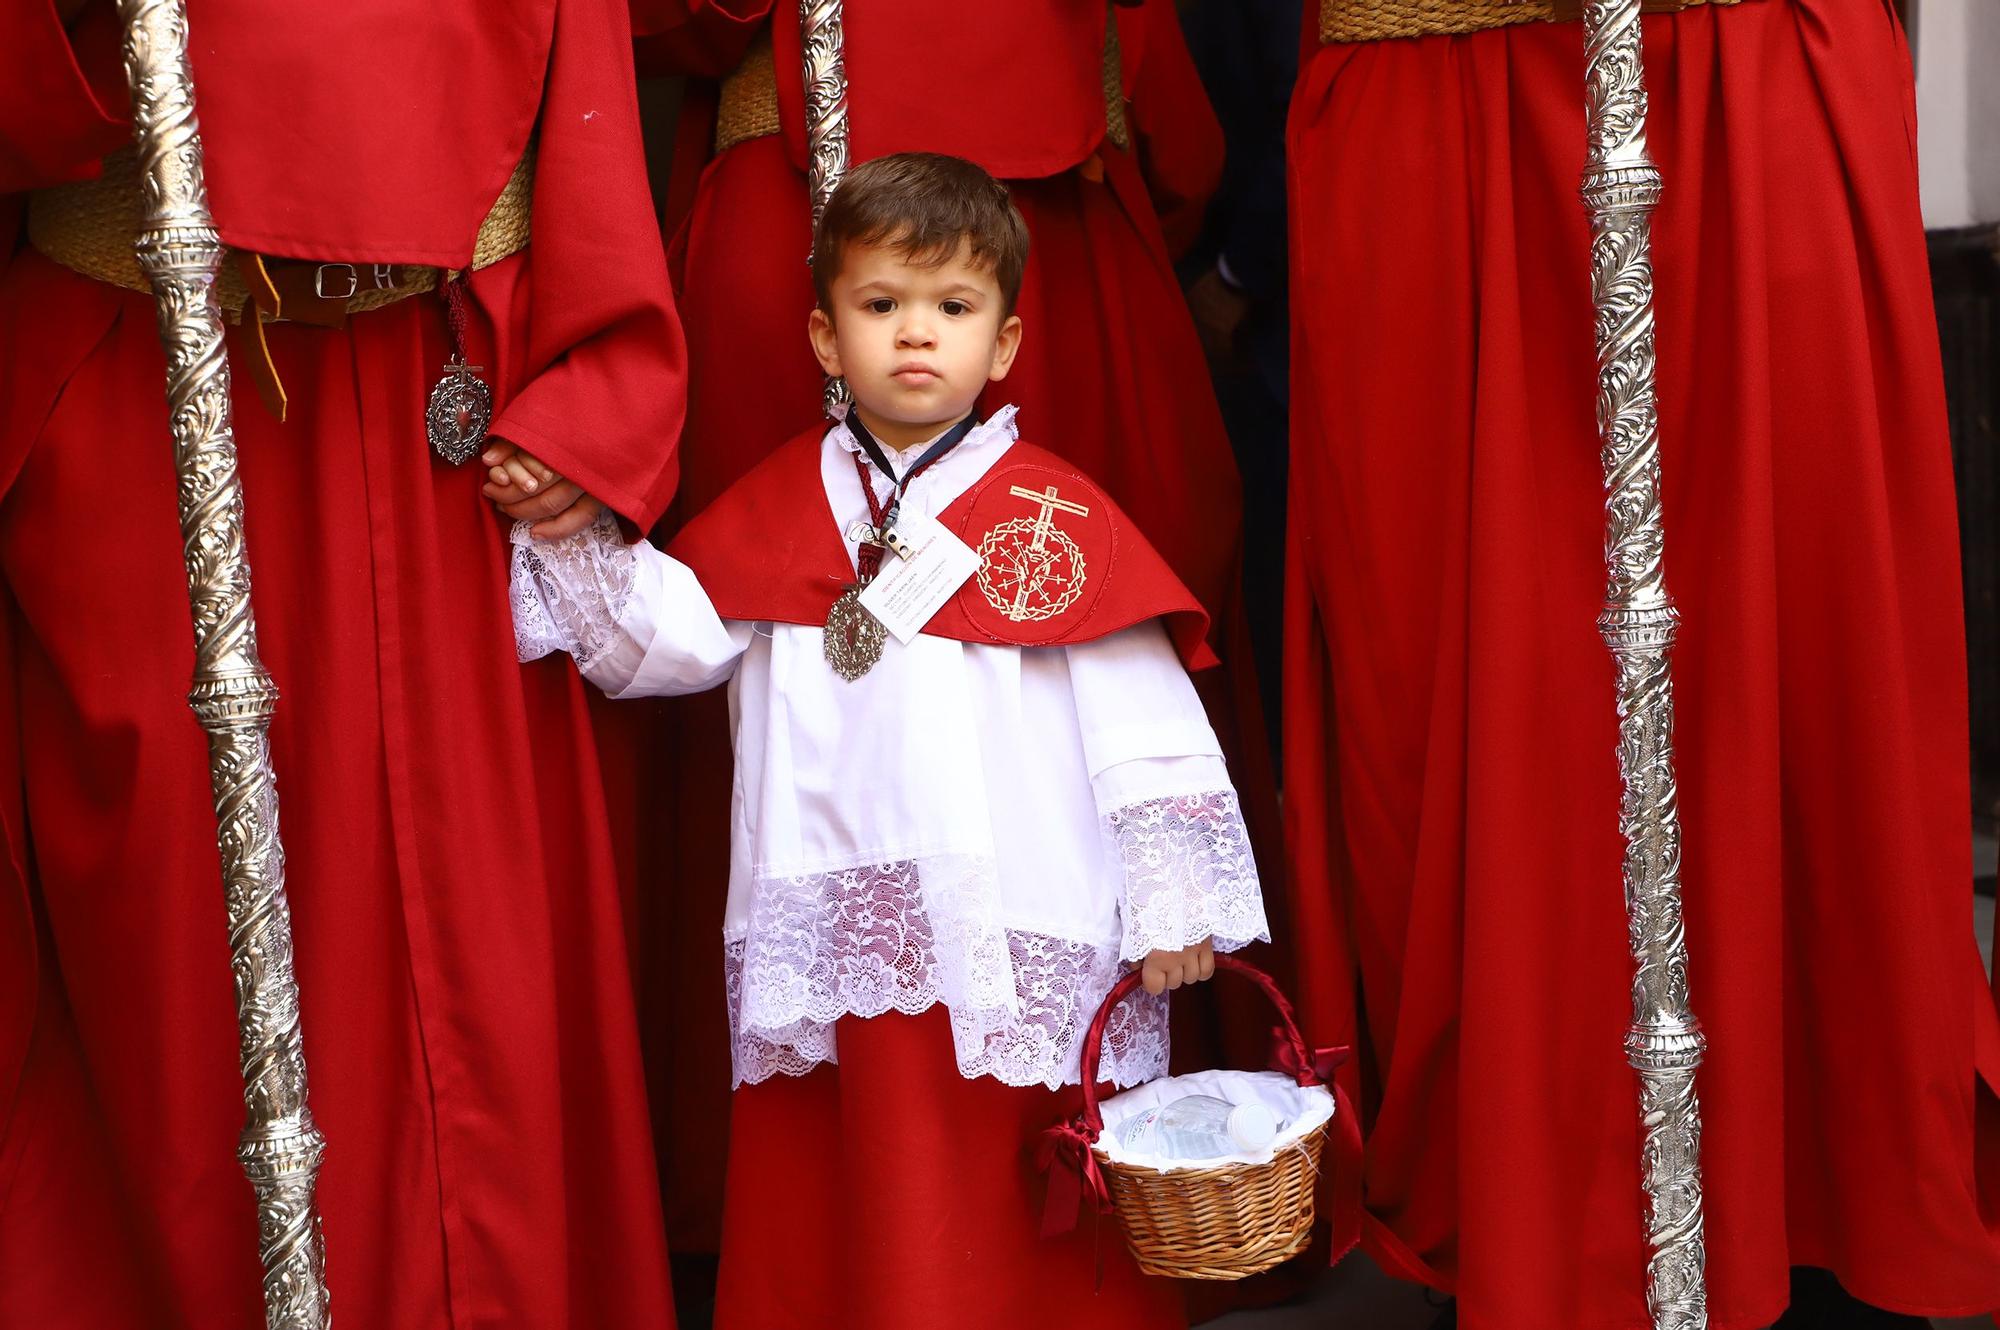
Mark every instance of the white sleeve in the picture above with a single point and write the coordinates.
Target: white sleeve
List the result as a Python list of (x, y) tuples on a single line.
[(1170, 816), (637, 621)]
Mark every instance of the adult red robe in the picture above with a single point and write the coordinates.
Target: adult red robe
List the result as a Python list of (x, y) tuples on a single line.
[(1452, 785), (1109, 364), (468, 1016)]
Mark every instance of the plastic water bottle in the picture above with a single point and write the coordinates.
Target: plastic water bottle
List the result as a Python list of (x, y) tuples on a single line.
[(1199, 1126)]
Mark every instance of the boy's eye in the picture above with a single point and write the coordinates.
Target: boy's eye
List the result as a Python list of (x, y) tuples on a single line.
[(881, 305), (955, 308)]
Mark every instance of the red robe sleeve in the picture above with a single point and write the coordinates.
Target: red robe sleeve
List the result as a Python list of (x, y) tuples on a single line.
[(62, 94), (700, 41), (602, 379), (700, 38), (1175, 133)]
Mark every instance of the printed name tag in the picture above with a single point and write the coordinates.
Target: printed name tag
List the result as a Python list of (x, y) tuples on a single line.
[(907, 592)]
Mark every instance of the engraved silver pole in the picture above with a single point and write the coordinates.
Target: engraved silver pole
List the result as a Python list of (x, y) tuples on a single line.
[(822, 46), (233, 696), (1621, 186)]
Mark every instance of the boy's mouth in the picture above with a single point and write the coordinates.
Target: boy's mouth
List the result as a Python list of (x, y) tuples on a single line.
[(913, 374)]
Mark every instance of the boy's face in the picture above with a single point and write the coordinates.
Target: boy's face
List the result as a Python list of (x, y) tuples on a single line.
[(915, 342)]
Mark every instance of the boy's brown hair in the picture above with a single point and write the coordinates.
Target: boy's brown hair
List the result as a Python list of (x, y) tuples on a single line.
[(927, 206)]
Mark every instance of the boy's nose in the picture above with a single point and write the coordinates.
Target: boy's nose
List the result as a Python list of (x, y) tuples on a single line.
[(915, 333)]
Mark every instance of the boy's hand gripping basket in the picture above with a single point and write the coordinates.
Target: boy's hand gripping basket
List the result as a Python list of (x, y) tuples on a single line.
[(1225, 1221)]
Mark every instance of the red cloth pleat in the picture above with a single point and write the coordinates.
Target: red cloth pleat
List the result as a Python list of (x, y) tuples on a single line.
[(1457, 901), (893, 1193)]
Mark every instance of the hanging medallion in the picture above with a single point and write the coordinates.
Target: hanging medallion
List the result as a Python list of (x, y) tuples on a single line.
[(854, 637), (461, 408)]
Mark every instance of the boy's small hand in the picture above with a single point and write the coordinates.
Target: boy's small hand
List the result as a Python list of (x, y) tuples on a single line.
[(512, 475), (527, 489), (1162, 970)]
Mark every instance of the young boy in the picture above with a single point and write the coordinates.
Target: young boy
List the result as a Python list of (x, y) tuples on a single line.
[(949, 831)]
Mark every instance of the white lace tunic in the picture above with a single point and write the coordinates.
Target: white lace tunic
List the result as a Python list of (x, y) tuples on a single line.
[(992, 828)]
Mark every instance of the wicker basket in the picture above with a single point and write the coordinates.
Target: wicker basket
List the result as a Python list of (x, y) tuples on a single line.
[(1227, 1222)]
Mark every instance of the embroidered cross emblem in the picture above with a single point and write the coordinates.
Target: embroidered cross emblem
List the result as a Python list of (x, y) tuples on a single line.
[(1031, 570), (1045, 520)]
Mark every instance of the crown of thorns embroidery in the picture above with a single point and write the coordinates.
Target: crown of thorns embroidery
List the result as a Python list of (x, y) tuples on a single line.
[(1029, 568)]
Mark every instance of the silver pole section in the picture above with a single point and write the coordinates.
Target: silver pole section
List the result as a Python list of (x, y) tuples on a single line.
[(233, 696), (822, 46), (1621, 186), (822, 43)]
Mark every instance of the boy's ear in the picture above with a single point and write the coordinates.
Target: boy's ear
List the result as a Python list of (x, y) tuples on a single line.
[(1005, 347), (819, 330)]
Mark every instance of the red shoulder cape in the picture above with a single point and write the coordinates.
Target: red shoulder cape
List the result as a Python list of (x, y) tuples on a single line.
[(1060, 563)]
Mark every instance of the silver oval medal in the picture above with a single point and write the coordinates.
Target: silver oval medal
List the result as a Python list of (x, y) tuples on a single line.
[(854, 637), (461, 408)]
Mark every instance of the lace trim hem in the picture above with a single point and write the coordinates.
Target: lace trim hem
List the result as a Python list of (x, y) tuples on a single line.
[(906, 937)]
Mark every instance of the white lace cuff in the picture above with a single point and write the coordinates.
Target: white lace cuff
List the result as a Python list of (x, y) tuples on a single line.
[(570, 594), (1189, 874)]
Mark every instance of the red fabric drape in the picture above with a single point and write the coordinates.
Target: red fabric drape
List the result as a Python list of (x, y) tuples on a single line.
[(461, 941), (63, 104), (912, 1200), (1174, 132), (1016, 116), (460, 938), (1455, 849)]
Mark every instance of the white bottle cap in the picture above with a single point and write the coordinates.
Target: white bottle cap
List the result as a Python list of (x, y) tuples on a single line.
[(1252, 1126)]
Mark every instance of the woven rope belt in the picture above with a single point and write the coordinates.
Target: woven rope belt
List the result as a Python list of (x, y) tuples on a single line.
[(89, 227), (747, 107), (1378, 20)]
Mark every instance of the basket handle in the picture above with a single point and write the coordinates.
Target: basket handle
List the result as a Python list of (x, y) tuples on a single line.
[(1066, 1154), (1289, 1053)]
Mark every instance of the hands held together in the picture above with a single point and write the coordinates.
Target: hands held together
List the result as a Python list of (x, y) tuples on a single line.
[(529, 490)]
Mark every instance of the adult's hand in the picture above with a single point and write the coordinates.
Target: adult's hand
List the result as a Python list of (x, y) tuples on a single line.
[(561, 510)]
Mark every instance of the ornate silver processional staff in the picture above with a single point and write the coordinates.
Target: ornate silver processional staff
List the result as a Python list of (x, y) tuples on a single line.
[(822, 47), (1621, 186), (233, 696), (822, 43)]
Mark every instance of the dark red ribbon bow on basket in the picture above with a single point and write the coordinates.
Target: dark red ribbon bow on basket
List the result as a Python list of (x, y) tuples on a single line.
[(1289, 1056), (1066, 1154)]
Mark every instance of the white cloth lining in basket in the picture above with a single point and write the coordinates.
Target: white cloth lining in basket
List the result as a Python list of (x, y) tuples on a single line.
[(1298, 1109)]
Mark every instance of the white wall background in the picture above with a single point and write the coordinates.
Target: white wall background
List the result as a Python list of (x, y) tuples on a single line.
[(1958, 110)]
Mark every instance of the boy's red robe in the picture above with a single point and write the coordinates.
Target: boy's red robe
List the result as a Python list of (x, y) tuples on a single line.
[(1110, 358), (1452, 786), (466, 1008), (857, 1191)]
